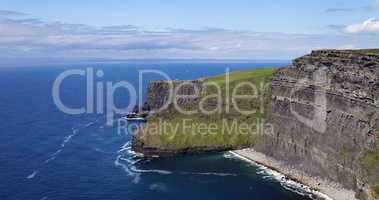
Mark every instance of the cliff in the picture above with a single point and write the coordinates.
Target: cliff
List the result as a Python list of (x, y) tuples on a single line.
[(324, 108), (322, 112), (198, 116)]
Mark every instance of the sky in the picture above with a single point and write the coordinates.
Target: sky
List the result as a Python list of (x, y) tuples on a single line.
[(173, 29)]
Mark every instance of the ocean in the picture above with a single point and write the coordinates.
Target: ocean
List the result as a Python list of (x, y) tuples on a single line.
[(47, 154)]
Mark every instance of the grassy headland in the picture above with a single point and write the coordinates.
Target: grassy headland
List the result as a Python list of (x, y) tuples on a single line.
[(374, 52), (224, 128)]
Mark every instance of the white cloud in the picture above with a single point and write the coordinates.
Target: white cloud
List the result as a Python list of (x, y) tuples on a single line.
[(369, 26), (373, 6), (33, 38), (334, 10), (10, 13)]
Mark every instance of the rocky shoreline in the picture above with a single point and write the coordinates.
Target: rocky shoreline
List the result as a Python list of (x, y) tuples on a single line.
[(320, 188)]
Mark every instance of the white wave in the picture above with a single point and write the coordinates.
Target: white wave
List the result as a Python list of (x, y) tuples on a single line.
[(90, 124), (261, 172), (57, 152), (285, 182), (160, 187), (136, 176), (123, 166), (127, 163), (127, 160), (68, 138), (210, 173), (125, 147), (63, 144), (164, 172), (135, 154), (227, 155), (44, 198), (50, 159), (131, 161), (32, 175), (54, 155)]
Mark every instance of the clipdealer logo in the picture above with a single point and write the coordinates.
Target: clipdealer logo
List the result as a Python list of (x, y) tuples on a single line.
[(100, 91), (100, 95)]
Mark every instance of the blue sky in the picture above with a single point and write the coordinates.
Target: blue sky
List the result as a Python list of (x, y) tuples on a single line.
[(269, 15), (216, 29)]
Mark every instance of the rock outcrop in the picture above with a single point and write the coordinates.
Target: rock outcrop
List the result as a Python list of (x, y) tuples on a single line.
[(325, 112), (160, 95)]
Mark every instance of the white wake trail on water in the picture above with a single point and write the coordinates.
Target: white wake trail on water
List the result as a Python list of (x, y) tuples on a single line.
[(165, 172), (54, 155), (32, 175), (66, 140), (90, 124), (209, 173)]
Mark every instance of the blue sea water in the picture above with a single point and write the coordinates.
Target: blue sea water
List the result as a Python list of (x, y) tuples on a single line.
[(47, 154)]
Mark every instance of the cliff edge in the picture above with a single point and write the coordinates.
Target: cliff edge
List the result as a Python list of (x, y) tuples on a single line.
[(322, 113), (325, 112)]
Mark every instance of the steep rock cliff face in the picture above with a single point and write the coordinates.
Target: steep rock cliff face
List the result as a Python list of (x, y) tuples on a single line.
[(325, 112), (160, 95)]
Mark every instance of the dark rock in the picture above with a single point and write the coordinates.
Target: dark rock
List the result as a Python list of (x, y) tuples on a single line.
[(351, 105)]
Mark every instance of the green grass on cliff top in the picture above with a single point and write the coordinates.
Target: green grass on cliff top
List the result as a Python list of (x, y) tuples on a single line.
[(368, 51), (253, 74), (170, 139)]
